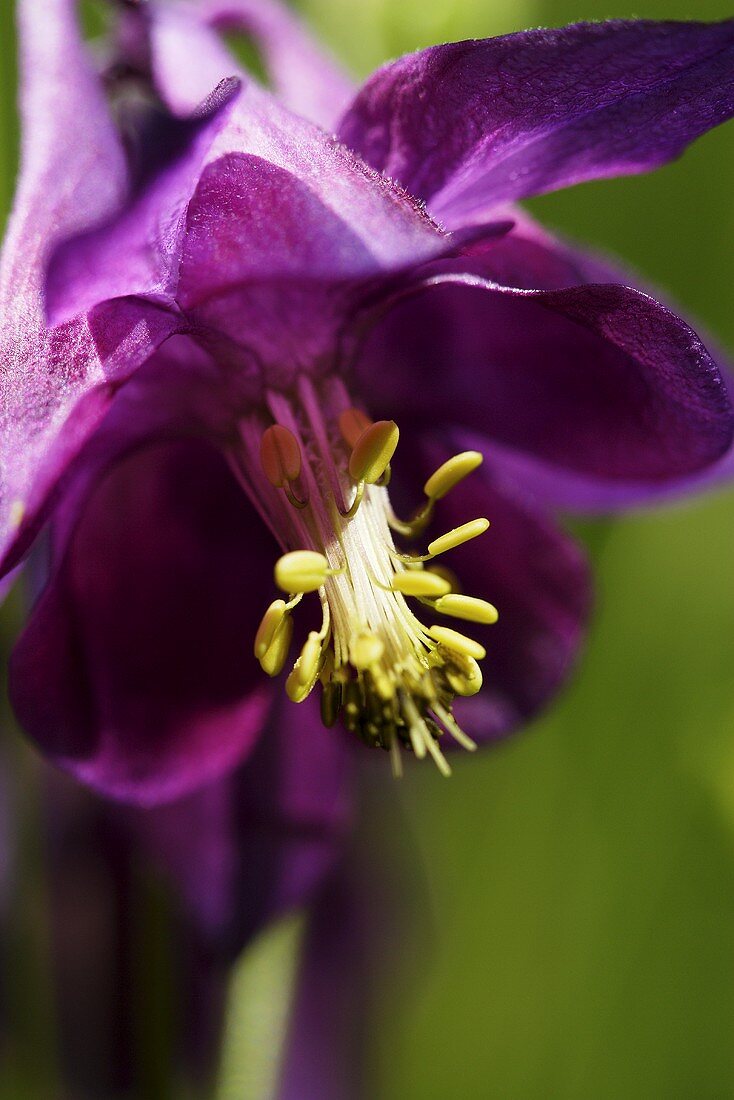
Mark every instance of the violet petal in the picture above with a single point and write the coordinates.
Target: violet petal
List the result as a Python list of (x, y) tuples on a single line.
[(600, 380), (143, 635), (301, 73), (468, 125), (64, 185)]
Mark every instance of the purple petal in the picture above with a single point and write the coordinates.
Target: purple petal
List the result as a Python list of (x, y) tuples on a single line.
[(538, 579), (281, 286), (533, 258), (246, 849), (301, 74), (139, 251), (471, 124), (64, 185), (135, 671), (599, 380)]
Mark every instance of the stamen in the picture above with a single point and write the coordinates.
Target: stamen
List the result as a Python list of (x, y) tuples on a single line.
[(276, 654), (305, 672), (366, 650), (449, 541), (280, 455), (457, 537), (450, 473), (271, 620), (301, 571), (463, 674), (454, 728), (452, 639), (373, 450), (390, 678), (352, 423), (467, 607), (420, 583)]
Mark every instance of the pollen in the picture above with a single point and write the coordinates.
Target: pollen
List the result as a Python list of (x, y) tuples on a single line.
[(320, 467)]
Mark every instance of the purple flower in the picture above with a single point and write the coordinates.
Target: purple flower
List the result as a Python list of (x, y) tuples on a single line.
[(241, 308)]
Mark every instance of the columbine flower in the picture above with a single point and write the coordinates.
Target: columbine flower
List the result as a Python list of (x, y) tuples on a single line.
[(256, 326)]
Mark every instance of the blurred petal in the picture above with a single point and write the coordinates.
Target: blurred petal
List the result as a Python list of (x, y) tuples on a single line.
[(143, 637), (467, 125), (601, 380), (302, 75), (246, 849)]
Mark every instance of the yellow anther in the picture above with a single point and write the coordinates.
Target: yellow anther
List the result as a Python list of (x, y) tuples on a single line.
[(448, 575), (373, 450), (467, 607), (301, 571), (451, 473), (352, 422), (307, 665), (17, 512), (452, 639), (280, 455), (295, 690), (419, 583), (457, 536), (365, 650), (276, 654), (466, 679), (271, 620)]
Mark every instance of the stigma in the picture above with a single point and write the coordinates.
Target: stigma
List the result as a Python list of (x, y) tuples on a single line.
[(318, 469)]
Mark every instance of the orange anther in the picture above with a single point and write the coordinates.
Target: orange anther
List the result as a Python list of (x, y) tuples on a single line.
[(352, 422), (280, 455)]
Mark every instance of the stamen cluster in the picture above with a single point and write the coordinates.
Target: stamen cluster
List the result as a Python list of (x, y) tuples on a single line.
[(319, 472)]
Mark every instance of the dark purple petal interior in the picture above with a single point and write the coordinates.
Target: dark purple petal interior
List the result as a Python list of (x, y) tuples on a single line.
[(601, 380), (135, 671)]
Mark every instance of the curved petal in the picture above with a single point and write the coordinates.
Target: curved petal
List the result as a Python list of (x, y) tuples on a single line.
[(281, 287), (471, 124), (246, 849), (600, 380), (135, 670), (64, 185), (538, 579), (535, 259), (302, 75), (271, 198), (138, 251)]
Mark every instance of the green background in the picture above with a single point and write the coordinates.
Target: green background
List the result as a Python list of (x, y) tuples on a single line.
[(581, 877)]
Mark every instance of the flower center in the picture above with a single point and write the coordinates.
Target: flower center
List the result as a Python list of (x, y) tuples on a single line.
[(318, 469)]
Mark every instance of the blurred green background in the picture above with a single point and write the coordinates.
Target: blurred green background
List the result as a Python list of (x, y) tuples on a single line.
[(581, 877)]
